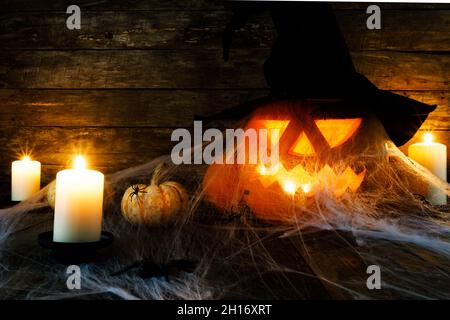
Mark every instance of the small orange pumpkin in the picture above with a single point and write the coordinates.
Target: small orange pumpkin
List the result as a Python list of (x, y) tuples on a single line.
[(132, 205), (51, 194), (156, 203)]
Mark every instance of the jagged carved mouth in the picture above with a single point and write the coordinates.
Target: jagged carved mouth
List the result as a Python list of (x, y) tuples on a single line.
[(301, 139), (319, 158), (300, 180)]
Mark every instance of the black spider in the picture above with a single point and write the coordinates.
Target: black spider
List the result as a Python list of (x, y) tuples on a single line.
[(136, 190)]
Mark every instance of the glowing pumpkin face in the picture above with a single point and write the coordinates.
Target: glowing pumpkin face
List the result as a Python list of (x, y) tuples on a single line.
[(315, 153)]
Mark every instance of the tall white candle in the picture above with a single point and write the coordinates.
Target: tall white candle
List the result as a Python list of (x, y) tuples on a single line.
[(433, 156), (78, 204), (25, 178)]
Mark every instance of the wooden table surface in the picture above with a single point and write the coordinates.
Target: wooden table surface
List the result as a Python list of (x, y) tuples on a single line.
[(313, 264)]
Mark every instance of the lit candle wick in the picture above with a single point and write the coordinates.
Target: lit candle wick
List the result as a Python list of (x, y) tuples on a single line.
[(306, 188), (78, 204), (271, 170), (262, 169), (79, 163), (433, 156), (428, 138), (290, 187), (25, 178)]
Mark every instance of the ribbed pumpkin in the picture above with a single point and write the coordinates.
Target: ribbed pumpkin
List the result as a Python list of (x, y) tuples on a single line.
[(156, 203), (51, 194), (133, 208)]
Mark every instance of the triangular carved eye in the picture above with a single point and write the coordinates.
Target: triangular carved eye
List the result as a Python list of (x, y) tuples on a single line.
[(275, 124), (303, 146), (334, 131), (338, 131)]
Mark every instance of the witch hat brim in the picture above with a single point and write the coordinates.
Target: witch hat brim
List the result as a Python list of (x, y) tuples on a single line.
[(310, 60), (401, 116)]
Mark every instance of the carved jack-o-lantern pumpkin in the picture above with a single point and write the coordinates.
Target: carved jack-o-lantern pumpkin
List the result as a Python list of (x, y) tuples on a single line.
[(317, 142)]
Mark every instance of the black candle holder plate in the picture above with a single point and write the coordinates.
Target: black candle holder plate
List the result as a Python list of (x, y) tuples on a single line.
[(45, 240)]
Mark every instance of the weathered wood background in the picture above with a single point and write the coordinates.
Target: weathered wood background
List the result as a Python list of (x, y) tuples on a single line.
[(137, 69)]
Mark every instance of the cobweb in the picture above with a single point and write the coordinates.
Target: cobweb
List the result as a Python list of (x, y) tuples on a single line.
[(322, 251)]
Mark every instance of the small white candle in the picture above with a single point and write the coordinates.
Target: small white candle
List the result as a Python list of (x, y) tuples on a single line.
[(433, 156), (25, 178), (78, 204)]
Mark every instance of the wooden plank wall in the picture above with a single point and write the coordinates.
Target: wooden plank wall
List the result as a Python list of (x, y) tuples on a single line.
[(137, 69)]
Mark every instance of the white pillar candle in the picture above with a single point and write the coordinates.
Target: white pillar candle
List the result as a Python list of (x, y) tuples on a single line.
[(78, 204), (25, 178), (433, 156)]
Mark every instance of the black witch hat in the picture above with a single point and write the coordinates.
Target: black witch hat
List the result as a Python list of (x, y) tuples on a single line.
[(310, 60)]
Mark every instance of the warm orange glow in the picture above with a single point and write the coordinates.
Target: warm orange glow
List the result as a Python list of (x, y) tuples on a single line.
[(289, 187), (268, 175), (335, 132), (270, 190), (306, 188), (25, 155), (338, 131), (281, 125), (79, 163), (267, 171), (428, 138), (339, 183), (262, 170), (325, 178), (303, 146)]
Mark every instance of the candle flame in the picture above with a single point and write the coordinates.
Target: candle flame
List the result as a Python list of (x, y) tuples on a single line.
[(306, 188), (428, 138), (26, 158), (262, 170), (289, 187), (271, 170), (79, 163)]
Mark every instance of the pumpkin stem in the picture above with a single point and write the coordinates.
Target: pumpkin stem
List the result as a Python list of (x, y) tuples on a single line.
[(157, 173)]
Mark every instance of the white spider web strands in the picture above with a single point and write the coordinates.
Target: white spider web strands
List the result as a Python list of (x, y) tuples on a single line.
[(238, 257)]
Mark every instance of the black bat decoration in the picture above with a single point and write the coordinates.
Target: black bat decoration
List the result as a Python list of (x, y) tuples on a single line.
[(148, 268)]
